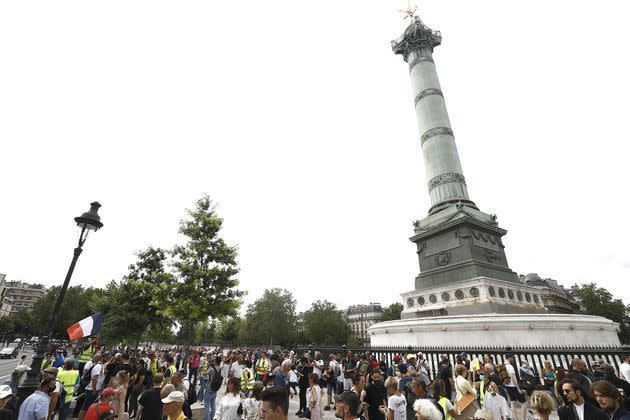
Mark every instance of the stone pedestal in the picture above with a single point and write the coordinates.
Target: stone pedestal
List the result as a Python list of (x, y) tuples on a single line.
[(496, 329)]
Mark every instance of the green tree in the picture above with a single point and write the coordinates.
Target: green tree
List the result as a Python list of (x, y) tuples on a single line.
[(324, 324), (229, 330), (75, 307), (204, 267), (133, 306), (271, 319), (599, 301), (392, 312)]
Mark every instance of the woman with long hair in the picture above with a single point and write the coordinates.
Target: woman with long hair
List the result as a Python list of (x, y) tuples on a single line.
[(228, 406), (462, 385), (548, 375), (439, 394), (120, 383), (315, 397), (542, 404)]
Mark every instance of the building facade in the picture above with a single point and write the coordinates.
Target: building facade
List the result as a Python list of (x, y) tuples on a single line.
[(555, 298), (16, 296), (361, 317)]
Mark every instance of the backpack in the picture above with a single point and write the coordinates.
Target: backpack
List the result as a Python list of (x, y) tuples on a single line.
[(85, 381), (503, 373), (337, 370), (217, 380)]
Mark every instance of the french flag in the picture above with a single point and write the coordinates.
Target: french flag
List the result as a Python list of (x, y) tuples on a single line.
[(88, 326)]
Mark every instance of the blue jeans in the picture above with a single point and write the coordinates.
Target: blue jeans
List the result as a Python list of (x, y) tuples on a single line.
[(209, 408), (202, 389)]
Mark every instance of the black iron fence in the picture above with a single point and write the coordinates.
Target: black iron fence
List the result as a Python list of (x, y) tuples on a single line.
[(559, 356)]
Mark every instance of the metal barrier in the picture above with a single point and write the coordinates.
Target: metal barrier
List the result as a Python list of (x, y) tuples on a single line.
[(560, 356)]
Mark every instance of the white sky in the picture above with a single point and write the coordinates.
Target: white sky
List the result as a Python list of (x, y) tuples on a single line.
[(299, 120)]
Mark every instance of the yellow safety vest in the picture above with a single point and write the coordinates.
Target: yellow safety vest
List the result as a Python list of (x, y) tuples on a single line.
[(173, 370), (482, 391), (442, 403), (262, 366), (68, 378), (247, 379), (153, 366), (86, 356)]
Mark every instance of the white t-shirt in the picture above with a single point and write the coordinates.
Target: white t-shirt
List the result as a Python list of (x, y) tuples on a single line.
[(512, 373), (237, 370), (87, 366), (319, 366), (624, 369), (98, 370), (251, 407), (398, 404), (580, 410), (293, 376)]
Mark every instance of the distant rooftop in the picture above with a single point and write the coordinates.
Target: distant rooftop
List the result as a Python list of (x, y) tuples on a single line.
[(371, 307)]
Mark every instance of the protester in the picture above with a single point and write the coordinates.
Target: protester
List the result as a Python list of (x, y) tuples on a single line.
[(173, 405), (446, 374), (462, 385), (252, 404), (96, 379), (210, 396), (542, 404), (624, 368), (6, 394), (609, 399), (228, 406), (577, 405), (36, 405), (275, 404), (96, 410), (426, 410), (494, 403), (69, 379), (441, 395), (193, 367), (315, 398), (247, 378), (150, 401), (120, 384), (375, 396), (396, 408), (347, 405), (515, 393), (303, 371), (548, 376)]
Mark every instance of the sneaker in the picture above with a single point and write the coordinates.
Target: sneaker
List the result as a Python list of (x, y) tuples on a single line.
[(299, 413)]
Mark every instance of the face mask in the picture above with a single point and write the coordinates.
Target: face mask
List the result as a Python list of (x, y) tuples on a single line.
[(482, 377)]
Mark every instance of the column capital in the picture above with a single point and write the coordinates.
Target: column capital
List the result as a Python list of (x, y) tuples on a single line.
[(416, 37)]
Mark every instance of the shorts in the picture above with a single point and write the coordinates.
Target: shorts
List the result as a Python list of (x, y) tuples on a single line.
[(515, 395), (90, 397)]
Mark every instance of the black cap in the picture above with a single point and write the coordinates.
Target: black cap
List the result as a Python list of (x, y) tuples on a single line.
[(351, 399)]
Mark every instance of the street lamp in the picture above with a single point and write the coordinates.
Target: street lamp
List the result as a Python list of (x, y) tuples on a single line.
[(88, 221)]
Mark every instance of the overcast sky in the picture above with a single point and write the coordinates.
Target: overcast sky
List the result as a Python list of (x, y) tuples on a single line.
[(297, 118)]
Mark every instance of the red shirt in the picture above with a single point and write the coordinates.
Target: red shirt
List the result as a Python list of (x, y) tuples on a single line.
[(96, 410), (194, 361)]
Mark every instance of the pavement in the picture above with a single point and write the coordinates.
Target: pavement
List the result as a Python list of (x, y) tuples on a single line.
[(8, 365)]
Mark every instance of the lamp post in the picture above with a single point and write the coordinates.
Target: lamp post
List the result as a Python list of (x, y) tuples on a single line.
[(88, 221)]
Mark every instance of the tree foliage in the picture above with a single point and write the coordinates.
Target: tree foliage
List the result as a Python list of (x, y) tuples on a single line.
[(392, 312), (324, 324), (229, 330), (133, 306), (599, 301), (204, 269), (271, 319), (75, 307)]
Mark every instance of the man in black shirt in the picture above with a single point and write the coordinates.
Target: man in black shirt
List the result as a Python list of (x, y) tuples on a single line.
[(303, 371), (150, 400), (376, 396)]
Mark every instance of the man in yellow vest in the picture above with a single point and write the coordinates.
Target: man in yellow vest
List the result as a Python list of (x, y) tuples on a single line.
[(86, 354), (68, 378), (262, 367), (247, 378)]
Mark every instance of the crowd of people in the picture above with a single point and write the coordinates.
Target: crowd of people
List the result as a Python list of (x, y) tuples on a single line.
[(257, 383)]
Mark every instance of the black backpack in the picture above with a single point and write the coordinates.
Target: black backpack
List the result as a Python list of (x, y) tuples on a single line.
[(217, 380), (85, 381)]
